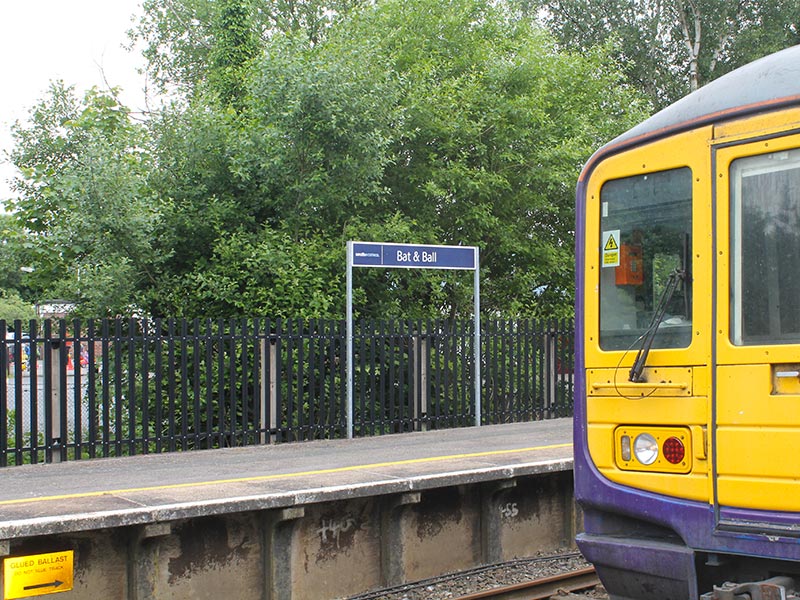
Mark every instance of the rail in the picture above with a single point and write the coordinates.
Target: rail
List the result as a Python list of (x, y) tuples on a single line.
[(540, 589)]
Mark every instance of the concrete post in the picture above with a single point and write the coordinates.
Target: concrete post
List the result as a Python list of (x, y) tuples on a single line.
[(277, 552), (146, 557), (262, 425), (492, 513), (273, 389), (392, 547), (142, 565)]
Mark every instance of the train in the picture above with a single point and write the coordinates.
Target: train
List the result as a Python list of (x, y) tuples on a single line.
[(687, 385)]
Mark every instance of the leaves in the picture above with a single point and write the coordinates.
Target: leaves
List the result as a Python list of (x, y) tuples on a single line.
[(303, 125), (84, 200), (14, 308), (187, 42), (671, 47)]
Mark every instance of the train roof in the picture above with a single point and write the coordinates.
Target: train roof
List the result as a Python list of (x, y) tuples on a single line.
[(770, 82)]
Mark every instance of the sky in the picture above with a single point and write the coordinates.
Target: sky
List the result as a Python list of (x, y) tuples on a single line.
[(74, 40)]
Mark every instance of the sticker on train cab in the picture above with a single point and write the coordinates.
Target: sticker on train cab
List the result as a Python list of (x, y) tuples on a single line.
[(611, 248)]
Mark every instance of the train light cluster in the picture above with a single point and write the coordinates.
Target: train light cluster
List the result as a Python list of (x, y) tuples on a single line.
[(657, 449)]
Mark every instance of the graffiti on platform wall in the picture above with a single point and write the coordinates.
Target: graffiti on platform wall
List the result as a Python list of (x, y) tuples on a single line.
[(331, 530)]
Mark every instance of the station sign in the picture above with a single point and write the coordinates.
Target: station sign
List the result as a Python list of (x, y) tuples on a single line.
[(37, 574), (412, 256)]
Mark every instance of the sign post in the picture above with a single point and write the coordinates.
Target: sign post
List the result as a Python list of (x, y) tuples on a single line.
[(412, 256)]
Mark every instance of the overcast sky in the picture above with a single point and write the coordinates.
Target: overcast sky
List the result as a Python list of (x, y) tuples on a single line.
[(73, 40)]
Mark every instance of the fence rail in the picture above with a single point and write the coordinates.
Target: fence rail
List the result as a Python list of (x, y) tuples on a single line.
[(84, 389)]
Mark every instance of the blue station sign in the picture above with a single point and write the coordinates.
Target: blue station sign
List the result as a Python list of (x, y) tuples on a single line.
[(413, 256)]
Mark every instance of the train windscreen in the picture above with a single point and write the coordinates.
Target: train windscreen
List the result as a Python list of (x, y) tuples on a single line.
[(646, 225)]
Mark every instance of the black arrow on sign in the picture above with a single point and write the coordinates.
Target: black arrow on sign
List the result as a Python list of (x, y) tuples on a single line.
[(53, 584)]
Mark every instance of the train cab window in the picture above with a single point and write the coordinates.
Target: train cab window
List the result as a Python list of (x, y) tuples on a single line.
[(645, 250), (765, 248)]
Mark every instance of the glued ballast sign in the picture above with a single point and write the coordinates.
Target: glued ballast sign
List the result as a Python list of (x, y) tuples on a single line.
[(37, 574)]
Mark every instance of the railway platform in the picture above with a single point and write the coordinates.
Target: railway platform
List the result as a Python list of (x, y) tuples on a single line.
[(324, 519)]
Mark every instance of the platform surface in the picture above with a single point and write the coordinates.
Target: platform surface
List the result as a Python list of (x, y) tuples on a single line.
[(114, 492)]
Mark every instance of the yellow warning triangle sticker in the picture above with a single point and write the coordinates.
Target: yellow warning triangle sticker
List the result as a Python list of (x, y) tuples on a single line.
[(611, 243)]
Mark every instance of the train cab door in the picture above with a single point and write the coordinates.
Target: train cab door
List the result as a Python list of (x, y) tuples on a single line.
[(756, 385)]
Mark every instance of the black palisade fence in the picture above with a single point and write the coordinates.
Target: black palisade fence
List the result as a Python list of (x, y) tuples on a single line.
[(84, 389)]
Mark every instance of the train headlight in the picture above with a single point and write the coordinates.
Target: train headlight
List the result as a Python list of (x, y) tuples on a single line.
[(645, 448)]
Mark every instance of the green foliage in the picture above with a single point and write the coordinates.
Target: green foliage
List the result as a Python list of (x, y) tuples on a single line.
[(263, 274), (13, 308), (414, 121), (495, 125), (772, 26), (185, 41), (318, 134), (669, 48), (235, 46), (84, 202), (13, 257)]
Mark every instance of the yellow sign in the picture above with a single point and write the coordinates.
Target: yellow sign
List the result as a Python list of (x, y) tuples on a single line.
[(37, 574), (611, 248)]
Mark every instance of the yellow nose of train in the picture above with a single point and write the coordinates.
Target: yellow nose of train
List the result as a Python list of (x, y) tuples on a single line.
[(688, 333)]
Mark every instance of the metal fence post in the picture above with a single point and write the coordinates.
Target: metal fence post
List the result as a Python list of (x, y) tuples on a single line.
[(550, 370), (273, 389), (421, 397), (265, 381), (55, 400), (269, 389)]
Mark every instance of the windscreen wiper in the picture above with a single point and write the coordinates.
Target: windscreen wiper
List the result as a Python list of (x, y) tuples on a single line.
[(674, 279)]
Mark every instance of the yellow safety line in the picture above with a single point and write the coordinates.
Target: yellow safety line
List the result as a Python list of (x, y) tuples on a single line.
[(173, 486)]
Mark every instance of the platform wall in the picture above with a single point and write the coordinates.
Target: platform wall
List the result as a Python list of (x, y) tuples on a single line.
[(323, 550)]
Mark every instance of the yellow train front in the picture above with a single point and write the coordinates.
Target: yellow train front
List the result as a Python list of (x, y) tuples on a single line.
[(687, 408)]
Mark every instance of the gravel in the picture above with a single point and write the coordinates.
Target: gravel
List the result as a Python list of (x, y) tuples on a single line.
[(447, 587)]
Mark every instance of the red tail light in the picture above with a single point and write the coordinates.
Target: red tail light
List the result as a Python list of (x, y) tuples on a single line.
[(674, 450)]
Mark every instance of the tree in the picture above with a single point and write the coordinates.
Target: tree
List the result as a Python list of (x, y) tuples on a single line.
[(14, 260), (495, 128), (281, 179), (83, 204), (13, 308), (235, 45), (415, 121), (777, 27), (671, 47), (184, 39)]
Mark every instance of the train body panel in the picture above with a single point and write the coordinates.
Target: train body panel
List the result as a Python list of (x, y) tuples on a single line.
[(687, 411)]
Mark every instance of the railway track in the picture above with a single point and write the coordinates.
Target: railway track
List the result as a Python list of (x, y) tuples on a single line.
[(541, 588), (551, 573)]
